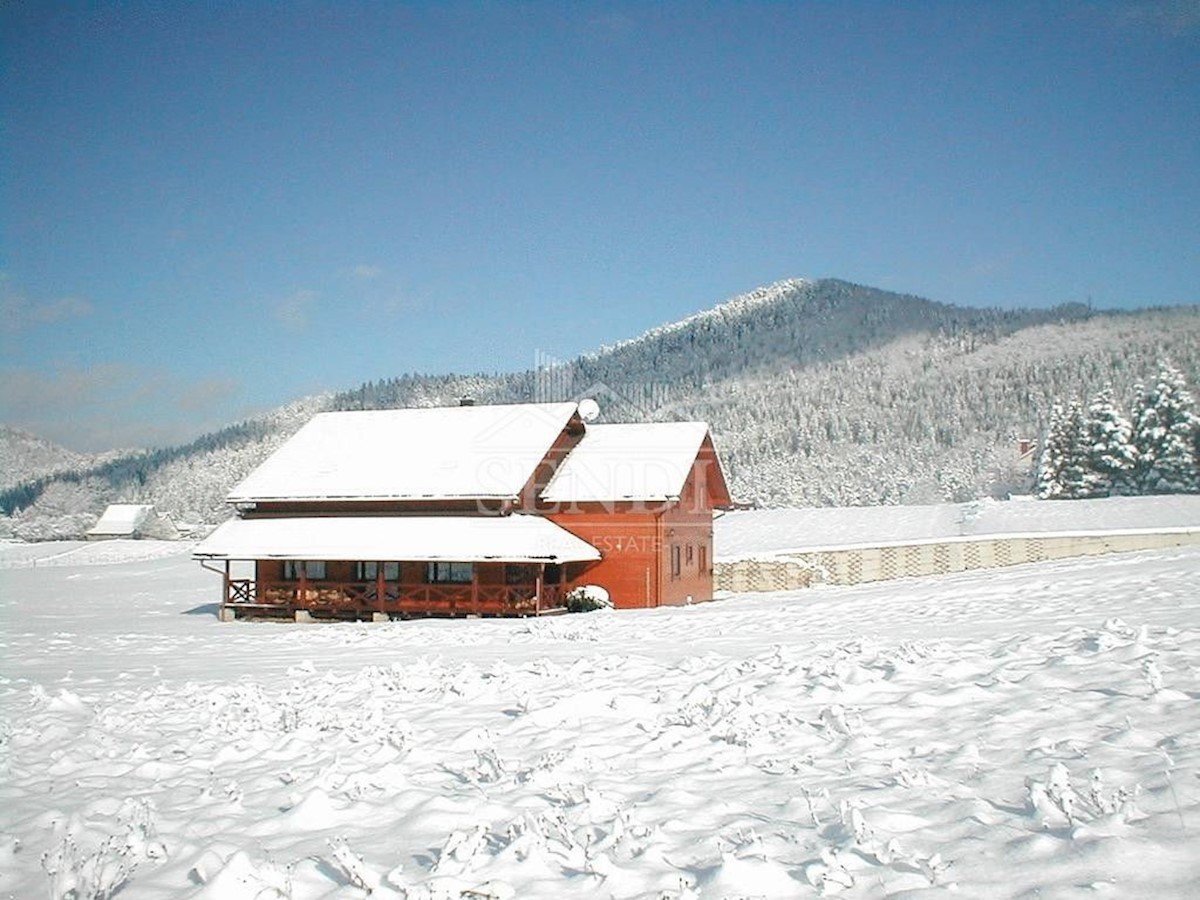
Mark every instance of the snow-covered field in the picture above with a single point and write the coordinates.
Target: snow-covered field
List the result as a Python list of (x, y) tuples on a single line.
[(760, 532), (1028, 732)]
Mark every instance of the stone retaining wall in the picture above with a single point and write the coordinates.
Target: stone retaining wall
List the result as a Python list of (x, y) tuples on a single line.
[(860, 564)]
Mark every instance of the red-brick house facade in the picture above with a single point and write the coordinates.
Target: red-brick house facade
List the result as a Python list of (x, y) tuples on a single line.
[(470, 510)]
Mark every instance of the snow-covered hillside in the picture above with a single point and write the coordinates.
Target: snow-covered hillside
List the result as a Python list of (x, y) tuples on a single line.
[(25, 456), (1014, 733), (187, 483), (819, 393)]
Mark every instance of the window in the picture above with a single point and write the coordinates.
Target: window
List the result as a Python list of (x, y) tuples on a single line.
[(313, 568), (689, 554), (369, 571), (449, 572), (520, 573), (676, 568), (704, 557)]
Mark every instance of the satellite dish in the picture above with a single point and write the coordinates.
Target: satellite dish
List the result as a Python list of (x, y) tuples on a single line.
[(589, 409)]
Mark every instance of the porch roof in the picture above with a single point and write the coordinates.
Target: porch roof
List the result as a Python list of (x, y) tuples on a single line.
[(515, 538)]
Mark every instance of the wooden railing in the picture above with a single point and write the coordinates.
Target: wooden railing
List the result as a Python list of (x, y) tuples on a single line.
[(363, 597)]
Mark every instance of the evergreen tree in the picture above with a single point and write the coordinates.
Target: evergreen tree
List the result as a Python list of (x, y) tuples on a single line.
[(1164, 434), (1109, 445), (1055, 450), (1076, 464)]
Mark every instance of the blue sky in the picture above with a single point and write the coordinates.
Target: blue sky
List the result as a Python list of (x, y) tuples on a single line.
[(210, 209)]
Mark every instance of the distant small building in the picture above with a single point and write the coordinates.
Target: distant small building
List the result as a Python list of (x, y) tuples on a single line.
[(132, 521)]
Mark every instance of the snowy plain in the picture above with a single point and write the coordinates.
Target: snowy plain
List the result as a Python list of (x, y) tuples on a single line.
[(1027, 732), (767, 532)]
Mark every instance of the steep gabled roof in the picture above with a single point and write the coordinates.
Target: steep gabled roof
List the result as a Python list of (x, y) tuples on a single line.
[(121, 519), (517, 538), (649, 462), (460, 452)]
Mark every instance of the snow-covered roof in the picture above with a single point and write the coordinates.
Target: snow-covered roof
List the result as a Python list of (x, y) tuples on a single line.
[(516, 538), (649, 461), (122, 519), (410, 454)]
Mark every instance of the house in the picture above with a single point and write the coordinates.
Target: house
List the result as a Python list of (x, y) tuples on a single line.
[(132, 521), (470, 510)]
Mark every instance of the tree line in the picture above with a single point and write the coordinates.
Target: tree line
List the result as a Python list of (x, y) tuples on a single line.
[(1100, 451)]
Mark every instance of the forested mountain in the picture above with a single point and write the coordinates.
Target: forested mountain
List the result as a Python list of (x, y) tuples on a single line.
[(818, 393), (25, 457)]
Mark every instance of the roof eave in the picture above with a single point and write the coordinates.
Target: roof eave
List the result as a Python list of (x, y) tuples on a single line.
[(368, 498)]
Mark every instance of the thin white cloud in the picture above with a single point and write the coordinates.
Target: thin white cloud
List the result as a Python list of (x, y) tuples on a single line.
[(115, 405), (1173, 18), (208, 395), (364, 272), (19, 313), (293, 311), (990, 267)]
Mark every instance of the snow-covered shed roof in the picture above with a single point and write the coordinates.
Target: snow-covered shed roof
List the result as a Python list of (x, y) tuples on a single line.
[(460, 452), (648, 461), (122, 520), (516, 538)]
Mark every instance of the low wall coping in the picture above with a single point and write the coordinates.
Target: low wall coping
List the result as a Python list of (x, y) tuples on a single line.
[(786, 555)]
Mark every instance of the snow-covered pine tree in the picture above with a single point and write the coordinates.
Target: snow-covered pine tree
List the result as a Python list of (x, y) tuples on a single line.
[(1111, 456), (1055, 448), (1076, 466), (1164, 434)]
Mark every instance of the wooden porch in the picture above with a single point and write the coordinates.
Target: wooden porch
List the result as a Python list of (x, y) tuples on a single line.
[(328, 599), (393, 566)]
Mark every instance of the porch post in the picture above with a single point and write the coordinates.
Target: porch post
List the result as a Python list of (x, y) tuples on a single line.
[(379, 595), (475, 588), (225, 593), (303, 598), (537, 591)]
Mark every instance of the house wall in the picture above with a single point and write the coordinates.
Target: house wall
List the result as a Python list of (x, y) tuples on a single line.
[(639, 543), (630, 542), (687, 558), (687, 562), (708, 479)]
